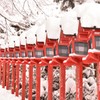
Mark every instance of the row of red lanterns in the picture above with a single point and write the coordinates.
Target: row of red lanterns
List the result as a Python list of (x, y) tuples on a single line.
[(69, 50)]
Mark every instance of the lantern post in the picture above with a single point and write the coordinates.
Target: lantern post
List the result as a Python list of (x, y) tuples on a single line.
[(94, 55), (3, 67), (23, 62), (2, 54), (79, 49), (7, 68)]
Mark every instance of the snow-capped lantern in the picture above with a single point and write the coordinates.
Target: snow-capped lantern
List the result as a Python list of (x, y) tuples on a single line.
[(17, 47), (2, 52), (11, 46), (94, 54), (78, 49), (64, 44), (17, 51), (22, 51), (52, 36), (31, 40), (30, 50), (40, 41), (7, 51), (39, 50), (50, 47), (23, 45), (2, 47), (62, 53), (94, 44), (80, 44), (30, 45)]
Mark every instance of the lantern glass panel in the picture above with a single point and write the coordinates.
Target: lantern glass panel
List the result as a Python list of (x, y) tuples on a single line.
[(50, 52), (63, 50), (29, 53), (7, 55), (23, 54), (39, 53), (17, 54), (97, 40), (2, 55), (11, 55), (81, 48)]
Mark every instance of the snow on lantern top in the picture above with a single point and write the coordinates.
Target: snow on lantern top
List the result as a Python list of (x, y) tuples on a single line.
[(29, 36), (69, 23), (22, 39), (2, 43), (53, 27), (17, 41), (89, 12), (91, 17), (41, 34), (11, 41)]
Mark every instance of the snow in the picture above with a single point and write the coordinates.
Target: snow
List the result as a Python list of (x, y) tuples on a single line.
[(90, 16), (70, 85), (69, 22), (17, 41), (6, 95), (30, 34), (44, 83), (52, 9), (94, 50), (53, 27), (84, 58), (74, 54), (41, 34), (89, 13), (11, 41), (22, 39)]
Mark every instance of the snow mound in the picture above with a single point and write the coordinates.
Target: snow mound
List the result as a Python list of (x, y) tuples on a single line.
[(29, 36), (91, 16), (17, 41), (41, 34), (89, 13), (53, 27), (69, 22), (11, 40), (6, 95)]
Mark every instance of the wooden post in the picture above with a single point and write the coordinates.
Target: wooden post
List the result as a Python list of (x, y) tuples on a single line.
[(23, 79), (37, 82), (0, 71), (13, 78), (7, 75), (79, 82), (4, 74), (62, 82), (50, 81), (17, 77), (98, 80), (30, 80)]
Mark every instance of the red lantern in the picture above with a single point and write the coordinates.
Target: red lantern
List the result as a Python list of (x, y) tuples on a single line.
[(78, 49), (3, 68), (94, 55)]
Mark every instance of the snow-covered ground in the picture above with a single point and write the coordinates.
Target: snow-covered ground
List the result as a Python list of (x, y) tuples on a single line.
[(6, 95)]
